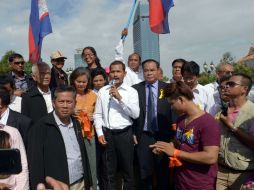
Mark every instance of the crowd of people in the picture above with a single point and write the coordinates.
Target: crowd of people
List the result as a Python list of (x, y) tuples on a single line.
[(126, 128)]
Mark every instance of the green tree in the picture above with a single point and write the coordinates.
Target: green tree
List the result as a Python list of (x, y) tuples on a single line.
[(165, 79), (206, 78), (4, 63), (28, 67), (242, 67)]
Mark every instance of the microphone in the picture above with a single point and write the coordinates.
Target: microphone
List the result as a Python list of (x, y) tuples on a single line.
[(112, 83)]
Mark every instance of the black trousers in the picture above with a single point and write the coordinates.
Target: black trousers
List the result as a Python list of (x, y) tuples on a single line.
[(118, 152), (154, 169)]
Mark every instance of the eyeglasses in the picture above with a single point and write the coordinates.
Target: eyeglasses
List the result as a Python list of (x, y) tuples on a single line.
[(89, 55), (232, 84), (19, 63)]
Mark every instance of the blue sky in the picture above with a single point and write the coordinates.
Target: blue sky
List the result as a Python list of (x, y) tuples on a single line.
[(200, 30)]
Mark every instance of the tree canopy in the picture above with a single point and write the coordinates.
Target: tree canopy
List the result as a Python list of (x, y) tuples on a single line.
[(4, 63)]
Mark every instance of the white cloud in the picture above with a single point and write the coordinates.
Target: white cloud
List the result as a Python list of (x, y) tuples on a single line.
[(200, 30)]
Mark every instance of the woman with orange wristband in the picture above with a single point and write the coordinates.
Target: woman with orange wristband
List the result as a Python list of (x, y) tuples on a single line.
[(195, 150)]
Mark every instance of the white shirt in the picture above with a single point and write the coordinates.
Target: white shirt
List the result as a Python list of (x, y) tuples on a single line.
[(15, 104), (214, 97), (114, 114), (4, 116), (72, 148), (48, 99), (201, 98), (133, 77)]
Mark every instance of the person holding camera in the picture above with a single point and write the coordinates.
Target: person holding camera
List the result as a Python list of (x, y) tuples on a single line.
[(11, 138), (236, 155)]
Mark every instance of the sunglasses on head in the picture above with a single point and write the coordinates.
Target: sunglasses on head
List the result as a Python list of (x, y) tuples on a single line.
[(232, 84), (19, 62)]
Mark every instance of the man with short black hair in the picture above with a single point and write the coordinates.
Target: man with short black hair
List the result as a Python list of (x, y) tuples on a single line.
[(176, 70), (190, 72), (153, 124), (13, 118), (236, 155), (21, 80), (56, 146), (116, 106), (58, 76)]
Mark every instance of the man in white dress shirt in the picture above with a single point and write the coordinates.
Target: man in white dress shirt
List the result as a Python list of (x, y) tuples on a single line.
[(190, 73), (134, 71), (224, 69), (116, 106)]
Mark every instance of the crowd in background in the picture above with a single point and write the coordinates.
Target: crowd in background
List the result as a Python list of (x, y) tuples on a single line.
[(125, 128)]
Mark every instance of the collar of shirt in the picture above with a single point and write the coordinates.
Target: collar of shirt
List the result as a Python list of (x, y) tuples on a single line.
[(60, 123), (123, 86), (140, 70), (44, 93), (197, 89), (14, 75), (4, 116), (154, 85)]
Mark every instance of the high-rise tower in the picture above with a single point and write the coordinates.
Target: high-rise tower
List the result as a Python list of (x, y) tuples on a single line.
[(145, 42)]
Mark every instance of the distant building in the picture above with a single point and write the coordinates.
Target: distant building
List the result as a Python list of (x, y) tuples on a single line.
[(249, 59), (78, 62), (145, 42)]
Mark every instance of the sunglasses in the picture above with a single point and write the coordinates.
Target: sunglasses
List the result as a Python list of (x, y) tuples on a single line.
[(19, 62), (59, 60), (232, 84)]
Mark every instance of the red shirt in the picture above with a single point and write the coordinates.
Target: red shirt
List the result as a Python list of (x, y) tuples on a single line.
[(202, 131)]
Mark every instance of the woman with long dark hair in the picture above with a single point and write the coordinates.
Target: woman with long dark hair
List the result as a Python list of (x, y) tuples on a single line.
[(89, 55)]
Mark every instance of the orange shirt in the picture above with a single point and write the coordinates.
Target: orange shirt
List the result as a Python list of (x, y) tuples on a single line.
[(86, 102)]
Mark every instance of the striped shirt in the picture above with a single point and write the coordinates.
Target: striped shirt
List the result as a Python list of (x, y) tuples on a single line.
[(72, 150)]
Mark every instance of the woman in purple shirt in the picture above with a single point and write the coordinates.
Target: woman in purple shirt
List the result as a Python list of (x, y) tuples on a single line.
[(196, 144)]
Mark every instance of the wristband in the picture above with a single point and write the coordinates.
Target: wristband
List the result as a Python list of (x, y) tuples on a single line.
[(177, 153)]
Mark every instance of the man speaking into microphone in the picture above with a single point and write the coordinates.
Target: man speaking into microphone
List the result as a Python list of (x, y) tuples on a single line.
[(117, 104)]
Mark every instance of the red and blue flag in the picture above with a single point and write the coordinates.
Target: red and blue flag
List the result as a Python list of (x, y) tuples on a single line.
[(39, 27), (158, 15)]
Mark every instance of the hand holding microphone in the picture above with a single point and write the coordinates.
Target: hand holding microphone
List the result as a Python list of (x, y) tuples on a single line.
[(113, 92)]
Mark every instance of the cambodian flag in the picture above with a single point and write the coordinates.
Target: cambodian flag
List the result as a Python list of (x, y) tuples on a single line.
[(39, 27), (158, 17)]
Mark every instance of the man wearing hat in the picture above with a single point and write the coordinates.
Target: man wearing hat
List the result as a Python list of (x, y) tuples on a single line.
[(58, 76)]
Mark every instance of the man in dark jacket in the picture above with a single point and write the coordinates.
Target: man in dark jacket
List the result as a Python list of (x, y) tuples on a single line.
[(37, 102), (153, 124), (12, 118), (56, 146)]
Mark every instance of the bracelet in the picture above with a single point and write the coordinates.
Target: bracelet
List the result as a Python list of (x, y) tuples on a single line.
[(177, 153)]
